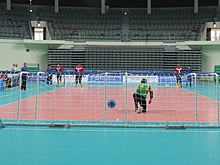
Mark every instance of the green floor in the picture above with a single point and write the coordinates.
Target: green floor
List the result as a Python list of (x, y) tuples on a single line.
[(108, 146)]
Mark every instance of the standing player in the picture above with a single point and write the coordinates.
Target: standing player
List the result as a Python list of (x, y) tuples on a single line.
[(178, 70), (189, 76), (59, 70), (79, 69), (49, 75), (140, 96)]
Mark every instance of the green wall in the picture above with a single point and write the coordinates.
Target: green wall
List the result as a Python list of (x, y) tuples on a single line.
[(211, 57), (19, 53)]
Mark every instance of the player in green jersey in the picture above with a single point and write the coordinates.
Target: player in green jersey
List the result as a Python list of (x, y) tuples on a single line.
[(140, 96)]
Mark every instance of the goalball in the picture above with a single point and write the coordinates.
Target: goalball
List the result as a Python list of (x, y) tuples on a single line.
[(111, 103)]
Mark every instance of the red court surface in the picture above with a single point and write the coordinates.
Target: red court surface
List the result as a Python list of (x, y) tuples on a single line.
[(89, 103)]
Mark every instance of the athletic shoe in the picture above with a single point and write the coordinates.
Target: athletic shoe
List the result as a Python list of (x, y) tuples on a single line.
[(138, 111)]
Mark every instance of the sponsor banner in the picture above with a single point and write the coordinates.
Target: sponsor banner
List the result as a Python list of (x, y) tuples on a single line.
[(43, 77), (137, 79), (102, 78), (33, 76), (69, 78), (170, 79)]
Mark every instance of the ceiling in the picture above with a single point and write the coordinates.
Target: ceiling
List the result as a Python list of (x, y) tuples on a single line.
[(119, 3)]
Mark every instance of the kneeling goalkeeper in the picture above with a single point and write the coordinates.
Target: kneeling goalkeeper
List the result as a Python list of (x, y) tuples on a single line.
[(140, 96)]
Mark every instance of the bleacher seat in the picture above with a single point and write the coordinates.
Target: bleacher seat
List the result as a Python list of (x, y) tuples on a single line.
[(163, 24)]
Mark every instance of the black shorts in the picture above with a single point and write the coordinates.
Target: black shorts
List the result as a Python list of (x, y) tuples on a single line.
[(178, 78), (78, 78), (59, 76), (140, 99)]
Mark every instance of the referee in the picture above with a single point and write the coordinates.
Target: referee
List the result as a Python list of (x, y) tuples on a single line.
[(24, 76)]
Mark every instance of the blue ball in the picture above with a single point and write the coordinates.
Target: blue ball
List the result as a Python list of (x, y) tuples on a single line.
[(111, 103)]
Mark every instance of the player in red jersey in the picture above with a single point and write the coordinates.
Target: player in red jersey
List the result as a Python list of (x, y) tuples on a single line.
[(178, 70), (79, 69), (59, 70)]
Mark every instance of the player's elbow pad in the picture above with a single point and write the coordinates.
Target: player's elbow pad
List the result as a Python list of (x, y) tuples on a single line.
[(151, 94)]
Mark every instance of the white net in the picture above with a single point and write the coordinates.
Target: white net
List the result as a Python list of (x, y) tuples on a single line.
[(45, 101), (9, 91), (207, 99)]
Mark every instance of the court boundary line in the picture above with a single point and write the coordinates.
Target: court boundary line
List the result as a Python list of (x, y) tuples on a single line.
[(116, 130)]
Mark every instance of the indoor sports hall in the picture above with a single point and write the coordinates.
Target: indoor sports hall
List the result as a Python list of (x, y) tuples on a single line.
[(70, 73)]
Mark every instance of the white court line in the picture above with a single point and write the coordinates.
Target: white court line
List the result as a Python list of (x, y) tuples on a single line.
[(111, 130)]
